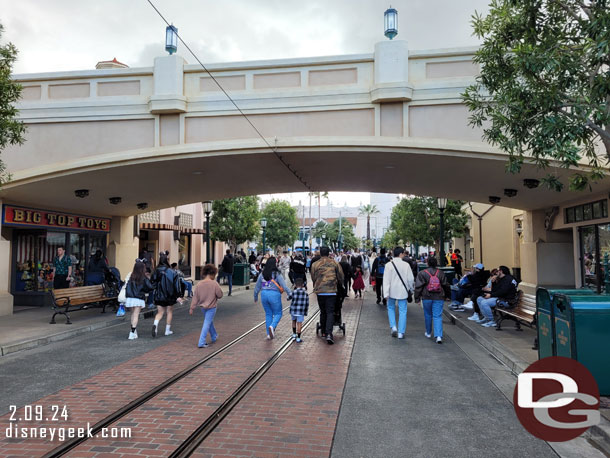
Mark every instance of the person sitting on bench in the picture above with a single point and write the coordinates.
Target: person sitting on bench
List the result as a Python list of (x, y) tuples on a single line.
[(468, 285), (502, 291)]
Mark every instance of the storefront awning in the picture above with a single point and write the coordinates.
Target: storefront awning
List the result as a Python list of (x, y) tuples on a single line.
[(170, 227)]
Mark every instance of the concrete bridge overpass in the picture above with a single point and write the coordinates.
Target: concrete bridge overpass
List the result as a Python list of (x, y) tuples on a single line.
[(391, 121)]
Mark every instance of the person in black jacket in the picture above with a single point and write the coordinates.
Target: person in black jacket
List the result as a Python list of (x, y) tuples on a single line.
[(227, 270), (470, 285), (378, 270), (503, 290), (297, 269), (167, 292), (347, 274), (135, 292)]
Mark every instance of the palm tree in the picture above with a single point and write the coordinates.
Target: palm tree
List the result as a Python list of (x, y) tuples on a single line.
[(368, 210)]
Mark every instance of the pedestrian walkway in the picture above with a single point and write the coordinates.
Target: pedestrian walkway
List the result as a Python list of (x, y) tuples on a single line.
[(368, 395), (416, 398), (30, 328)]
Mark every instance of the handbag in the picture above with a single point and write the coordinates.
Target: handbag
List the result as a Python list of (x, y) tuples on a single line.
[(409, 293), (121, 310), (123, 293)]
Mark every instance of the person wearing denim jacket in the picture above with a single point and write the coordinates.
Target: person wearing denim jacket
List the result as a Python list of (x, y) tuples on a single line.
[(268, 284)]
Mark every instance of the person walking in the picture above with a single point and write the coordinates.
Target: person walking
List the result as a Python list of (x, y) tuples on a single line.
[(347, 274), (299, 306), (227, 267), (398, 288), (327, 276), (167, 292), (377, 271), (270, 284), (62, 269), (431, 288), (137, 286), (297, 269), (366, 271), (284, 265), (205, 296), (358, 282)]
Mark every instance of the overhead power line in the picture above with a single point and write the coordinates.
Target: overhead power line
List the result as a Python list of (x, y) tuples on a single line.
[(272, 148)]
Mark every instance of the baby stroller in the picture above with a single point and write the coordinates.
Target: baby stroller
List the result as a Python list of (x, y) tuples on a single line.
[(112, 282), (341, 295)]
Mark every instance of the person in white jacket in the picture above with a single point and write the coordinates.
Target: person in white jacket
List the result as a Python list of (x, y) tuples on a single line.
[(398, 285)]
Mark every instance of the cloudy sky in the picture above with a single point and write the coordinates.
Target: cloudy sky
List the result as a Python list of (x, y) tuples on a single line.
[(75, 34)]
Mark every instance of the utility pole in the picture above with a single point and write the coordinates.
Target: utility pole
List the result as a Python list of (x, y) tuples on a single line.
[(303, 234)]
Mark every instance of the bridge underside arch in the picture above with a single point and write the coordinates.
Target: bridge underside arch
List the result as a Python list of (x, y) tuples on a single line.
[(170, 176)]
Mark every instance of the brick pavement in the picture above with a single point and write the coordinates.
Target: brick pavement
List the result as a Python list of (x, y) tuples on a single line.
[(293, 410), (93, 399)]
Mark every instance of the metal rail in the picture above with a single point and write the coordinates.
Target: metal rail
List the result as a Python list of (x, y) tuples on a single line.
[(190, 445), (113, 417)]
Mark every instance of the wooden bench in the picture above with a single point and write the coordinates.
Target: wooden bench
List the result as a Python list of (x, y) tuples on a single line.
[(80, 298), (524, 312)]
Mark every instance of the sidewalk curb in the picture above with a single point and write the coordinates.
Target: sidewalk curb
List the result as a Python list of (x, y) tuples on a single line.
[(507, 357), (77, 331), (599, 435)]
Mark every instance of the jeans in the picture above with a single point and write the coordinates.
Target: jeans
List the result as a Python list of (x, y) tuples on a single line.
[(485, 305), (208, 326), (229, 279), (402, 314), (327, 313), (188, 286), (272, 304), (459, 294), (433, 314)]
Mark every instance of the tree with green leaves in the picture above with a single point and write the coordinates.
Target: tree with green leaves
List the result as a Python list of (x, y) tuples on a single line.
[(543, 94), (282, 223), (391, 239), (330, 233), (416, 220), (11, 129), (235, 220), (368, 210)]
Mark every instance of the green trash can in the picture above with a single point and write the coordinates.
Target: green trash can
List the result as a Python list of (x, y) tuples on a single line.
[(241, 275), (581, 333), (449, 274), (545, 324)]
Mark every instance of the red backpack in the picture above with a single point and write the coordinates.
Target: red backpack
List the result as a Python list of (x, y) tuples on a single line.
[(434, 284)]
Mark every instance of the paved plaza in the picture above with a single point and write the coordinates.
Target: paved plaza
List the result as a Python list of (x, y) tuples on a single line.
[(368, 395)]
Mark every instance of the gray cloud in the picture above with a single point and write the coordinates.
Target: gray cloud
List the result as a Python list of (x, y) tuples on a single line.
[(74, 34)]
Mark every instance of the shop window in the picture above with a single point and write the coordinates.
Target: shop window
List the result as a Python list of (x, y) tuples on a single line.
[(586, 212)]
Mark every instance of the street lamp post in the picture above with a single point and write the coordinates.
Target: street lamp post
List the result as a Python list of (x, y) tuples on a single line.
[(207, 209), (264, 225), (442, 204)]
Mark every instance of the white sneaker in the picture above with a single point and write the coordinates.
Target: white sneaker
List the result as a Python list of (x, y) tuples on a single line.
[(294, 337), (439, 340), (475, 317), (468, 305), (271, 332), (401, 335), (489, 324), (132, 336), (394, 332), (169, 333), (427, 335)]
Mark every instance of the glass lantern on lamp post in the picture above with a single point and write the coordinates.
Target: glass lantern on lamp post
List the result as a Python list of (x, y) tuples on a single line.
[(390, 22), (171, 39)]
